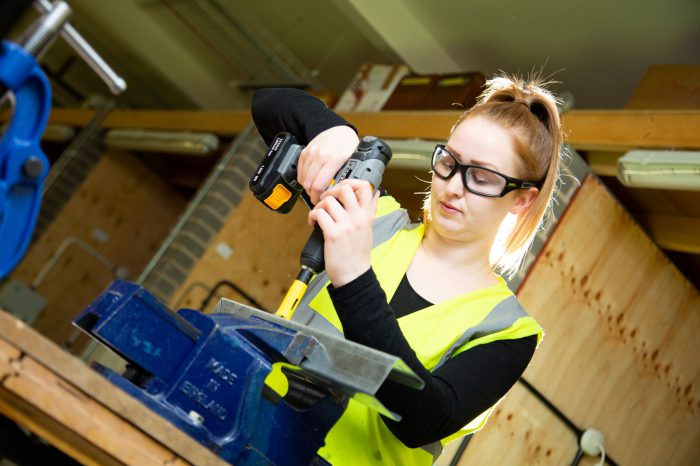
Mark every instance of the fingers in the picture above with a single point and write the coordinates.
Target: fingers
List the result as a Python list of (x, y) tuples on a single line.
[(345, 195), (350, 203), (321, 181), (321, 159), (359, 190)]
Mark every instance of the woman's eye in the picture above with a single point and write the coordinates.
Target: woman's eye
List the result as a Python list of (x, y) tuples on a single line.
[(482, 177), (446, 162)]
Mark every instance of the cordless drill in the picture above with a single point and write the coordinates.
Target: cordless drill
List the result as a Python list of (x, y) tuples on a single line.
[(275, 185)]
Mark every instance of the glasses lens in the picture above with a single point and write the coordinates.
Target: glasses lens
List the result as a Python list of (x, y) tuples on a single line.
[(443, 162), (484, 181)]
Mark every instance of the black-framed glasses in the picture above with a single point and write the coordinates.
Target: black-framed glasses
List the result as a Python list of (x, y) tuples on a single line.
[(476, 179)]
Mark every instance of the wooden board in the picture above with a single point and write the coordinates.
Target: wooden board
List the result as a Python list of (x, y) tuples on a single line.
[(608, 130), (59, 398), (621, 344), (264, 258), (124, 201)]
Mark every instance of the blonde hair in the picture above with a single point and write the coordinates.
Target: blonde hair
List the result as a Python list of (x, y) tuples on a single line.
[(530, 112)]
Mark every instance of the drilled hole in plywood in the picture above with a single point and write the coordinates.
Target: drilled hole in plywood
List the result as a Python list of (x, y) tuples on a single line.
[(654, 355)]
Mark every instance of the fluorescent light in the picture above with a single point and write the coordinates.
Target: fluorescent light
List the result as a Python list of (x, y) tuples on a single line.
[(660, 169), (162, 141)]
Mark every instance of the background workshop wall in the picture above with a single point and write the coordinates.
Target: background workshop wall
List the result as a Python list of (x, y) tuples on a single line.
[(110, 227), (619, 351)]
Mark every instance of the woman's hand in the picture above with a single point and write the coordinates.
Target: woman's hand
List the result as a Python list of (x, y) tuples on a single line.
[(323, 157), (345, 214)]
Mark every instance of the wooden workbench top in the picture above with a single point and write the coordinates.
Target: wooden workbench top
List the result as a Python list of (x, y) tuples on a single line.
[(59, 398)]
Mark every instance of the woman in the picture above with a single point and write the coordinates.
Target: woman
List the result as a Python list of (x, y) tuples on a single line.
[(428, 293)]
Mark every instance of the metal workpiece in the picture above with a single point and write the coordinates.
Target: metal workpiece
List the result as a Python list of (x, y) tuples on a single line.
[(355, 367), (256, 389)]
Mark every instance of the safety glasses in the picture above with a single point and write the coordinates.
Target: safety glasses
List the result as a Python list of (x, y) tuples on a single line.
[(476, 179)]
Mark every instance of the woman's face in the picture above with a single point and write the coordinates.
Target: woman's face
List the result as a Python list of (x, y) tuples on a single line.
[(460, 215)]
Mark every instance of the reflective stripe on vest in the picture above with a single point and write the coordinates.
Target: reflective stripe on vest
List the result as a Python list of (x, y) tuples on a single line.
[(505, 314)]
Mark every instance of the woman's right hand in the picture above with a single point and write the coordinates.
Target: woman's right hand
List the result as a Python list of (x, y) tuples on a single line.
[(323, 157)]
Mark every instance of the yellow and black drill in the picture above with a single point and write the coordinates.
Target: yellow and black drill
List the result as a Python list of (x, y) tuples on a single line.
[(275, 185)]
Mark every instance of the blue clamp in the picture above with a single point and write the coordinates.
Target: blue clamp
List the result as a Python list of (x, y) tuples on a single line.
[(23, 164)]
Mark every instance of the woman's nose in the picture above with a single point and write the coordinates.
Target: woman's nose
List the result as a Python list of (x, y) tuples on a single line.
[(455, 185)]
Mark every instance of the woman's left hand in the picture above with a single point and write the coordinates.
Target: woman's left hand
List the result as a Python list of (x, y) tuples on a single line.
[(345, 214)]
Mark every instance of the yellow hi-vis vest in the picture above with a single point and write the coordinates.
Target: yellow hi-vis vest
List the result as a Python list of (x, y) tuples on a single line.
[(435, 333)]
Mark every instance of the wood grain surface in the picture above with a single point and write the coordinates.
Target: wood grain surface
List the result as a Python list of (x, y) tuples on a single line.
[(621, 344)]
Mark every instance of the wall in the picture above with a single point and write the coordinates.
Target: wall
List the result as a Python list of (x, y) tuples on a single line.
[(122, 211)]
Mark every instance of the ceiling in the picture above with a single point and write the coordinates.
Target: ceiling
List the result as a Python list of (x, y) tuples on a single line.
[(210, 54), (199, 53)]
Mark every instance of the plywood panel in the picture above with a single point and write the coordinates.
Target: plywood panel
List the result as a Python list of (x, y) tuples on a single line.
[(621, 348), (521, 431), (131, 207), (264, 256)]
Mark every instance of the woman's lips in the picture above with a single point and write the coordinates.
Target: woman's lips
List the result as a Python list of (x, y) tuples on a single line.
[(448, 208)]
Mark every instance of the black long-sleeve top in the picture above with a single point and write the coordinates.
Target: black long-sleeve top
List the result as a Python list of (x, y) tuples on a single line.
[(455, 393)]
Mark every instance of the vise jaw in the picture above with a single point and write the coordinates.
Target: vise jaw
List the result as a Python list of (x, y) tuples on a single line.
[(206, 374)]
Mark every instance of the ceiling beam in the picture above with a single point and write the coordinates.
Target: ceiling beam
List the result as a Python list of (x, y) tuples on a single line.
[(608, 130), (615, 130), (672, 232), (407, 35)]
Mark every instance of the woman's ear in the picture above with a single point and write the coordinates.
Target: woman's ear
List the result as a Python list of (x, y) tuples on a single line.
[(524, 200)]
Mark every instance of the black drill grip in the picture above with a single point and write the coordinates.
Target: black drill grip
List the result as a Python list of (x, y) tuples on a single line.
[(312, 254)]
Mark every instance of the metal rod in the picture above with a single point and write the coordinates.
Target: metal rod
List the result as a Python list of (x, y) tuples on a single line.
[(115, 83), (72, 240), (460, 450), (43, 32)]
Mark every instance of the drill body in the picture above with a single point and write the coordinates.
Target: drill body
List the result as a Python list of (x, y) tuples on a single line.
[(275, 181), (275, 185)]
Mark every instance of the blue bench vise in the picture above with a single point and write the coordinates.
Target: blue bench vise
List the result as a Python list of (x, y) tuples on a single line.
[(206, 374)]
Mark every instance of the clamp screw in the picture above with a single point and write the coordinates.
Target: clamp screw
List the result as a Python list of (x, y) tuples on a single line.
[(196, 418), (33, 167)]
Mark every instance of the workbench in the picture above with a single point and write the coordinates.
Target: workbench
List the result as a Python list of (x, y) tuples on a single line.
[(60, 399)]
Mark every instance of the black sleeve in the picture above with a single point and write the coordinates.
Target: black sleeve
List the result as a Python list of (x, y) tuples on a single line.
[(456, 393), (294, 111)]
